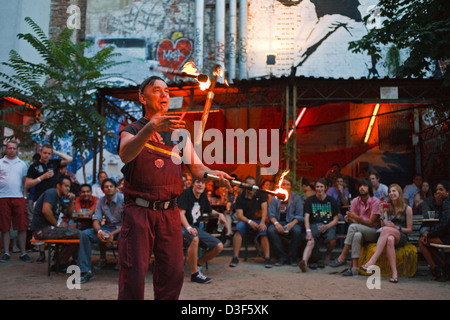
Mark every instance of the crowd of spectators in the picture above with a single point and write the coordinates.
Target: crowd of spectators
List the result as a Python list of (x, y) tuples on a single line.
[(46, 201)]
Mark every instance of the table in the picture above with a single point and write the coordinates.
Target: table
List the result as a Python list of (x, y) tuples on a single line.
[(427, 220)]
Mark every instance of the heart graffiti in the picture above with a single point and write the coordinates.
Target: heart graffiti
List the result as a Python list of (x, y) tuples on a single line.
[(174, 55)]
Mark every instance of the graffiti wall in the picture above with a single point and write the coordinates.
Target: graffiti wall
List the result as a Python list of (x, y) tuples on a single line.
[(310, 35)]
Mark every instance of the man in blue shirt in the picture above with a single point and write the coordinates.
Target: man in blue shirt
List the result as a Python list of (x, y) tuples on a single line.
[(287, 219), (110, 208)]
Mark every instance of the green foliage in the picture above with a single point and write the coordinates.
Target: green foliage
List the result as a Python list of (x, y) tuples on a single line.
[(63, 84), (421, 28)]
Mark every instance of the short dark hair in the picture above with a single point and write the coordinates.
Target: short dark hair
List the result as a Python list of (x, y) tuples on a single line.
[(62, 178), (86, 185), (322, 181), (109, 180), (149, 80)]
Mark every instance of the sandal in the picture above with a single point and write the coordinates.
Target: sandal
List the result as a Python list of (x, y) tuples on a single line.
[(364, 268), (393, 280)]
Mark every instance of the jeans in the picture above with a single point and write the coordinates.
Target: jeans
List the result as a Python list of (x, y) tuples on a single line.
[(295, 236), (87, 238)]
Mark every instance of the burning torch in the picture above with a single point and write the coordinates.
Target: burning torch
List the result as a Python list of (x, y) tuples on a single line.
[(200, 77), (279, 193)]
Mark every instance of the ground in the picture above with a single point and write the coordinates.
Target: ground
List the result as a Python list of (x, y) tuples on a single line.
[(248, 281)]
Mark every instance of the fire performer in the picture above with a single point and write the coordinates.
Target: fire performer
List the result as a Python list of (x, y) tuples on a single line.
[(151, 221)]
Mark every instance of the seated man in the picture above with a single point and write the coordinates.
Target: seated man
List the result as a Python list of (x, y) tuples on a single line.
[(321, 217), (193, 203), (287, 219), (86, 201), (110, 208), (251, 209), (364, 216), (339, 192), (46, 212)]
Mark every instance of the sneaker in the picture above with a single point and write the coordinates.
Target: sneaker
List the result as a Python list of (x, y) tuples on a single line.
[(234, 262), (279, 262), (267, 263), (336, 263), (25, 258), (100, 264), (200, 278), (5, 258), (86, 276), (41, 258), (350, 273)]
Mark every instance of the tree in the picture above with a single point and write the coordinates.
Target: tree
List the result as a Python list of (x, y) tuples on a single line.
[(421, 28), (64, 84)]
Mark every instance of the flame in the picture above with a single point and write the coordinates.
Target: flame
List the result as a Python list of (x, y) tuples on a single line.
[(279, 188), (205, 85), (190, 68)]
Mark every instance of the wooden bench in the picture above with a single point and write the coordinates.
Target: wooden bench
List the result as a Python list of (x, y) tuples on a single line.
[(56, 245)]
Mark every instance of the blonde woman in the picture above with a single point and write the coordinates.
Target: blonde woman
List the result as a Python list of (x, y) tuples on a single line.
[(396, 224)]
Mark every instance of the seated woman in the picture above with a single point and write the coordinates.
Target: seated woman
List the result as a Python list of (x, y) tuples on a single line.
[(440, 234), (396, 224)]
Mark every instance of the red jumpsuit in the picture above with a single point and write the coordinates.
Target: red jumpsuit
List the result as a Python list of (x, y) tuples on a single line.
[(152, 176)]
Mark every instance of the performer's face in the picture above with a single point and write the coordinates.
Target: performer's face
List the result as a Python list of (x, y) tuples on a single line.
[(155, 98)]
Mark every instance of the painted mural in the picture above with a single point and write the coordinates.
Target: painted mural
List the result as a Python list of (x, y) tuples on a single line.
[(311, 36)]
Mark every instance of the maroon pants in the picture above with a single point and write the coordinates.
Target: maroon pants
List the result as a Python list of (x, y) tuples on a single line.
[(145, 231)]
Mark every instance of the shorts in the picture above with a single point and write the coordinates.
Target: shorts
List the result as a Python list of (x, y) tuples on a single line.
[(244, 227), (329, 235), (15, 210), (206, 240)]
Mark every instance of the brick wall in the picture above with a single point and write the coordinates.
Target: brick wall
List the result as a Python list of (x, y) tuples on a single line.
[(59, 16)]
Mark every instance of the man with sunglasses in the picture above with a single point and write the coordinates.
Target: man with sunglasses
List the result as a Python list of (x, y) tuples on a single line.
[(153, 181)]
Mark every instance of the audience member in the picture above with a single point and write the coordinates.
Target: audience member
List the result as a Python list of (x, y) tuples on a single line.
[(120, 183), (321, 217), (44, 174), (433, 203), (187, 180), (338, 192), (333, 173), (380, 190), (267, 185), (364, 216), (47, 210), (87, 202), (109, 208), (306, 187), (286, 221), (75, 186), (12, 202), (251, 209), (97, 190), (439, 234), (423, 193), (193, 203), (410, 190), (396, 225), (230, 212)]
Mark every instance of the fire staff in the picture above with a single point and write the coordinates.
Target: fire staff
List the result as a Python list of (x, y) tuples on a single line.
[(151, 221)]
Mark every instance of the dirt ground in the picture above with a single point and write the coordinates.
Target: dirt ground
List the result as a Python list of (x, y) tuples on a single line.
[(248, 281)]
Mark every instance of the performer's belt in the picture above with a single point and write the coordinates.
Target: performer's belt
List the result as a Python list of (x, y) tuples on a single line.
[(157, 205)]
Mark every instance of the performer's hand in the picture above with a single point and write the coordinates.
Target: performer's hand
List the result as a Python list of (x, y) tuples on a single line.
[(166, 123), (224, 178)]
